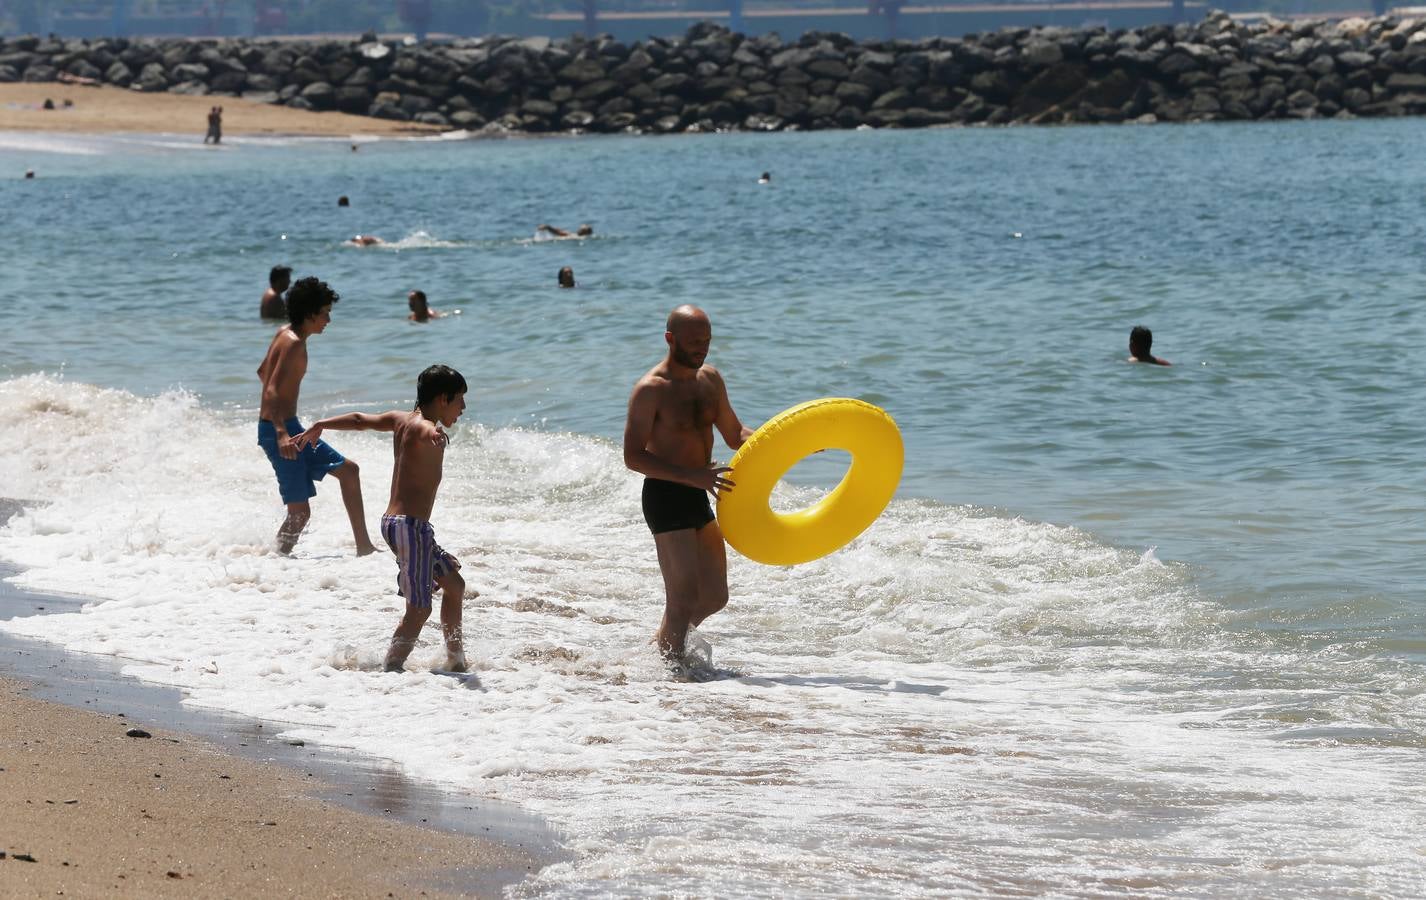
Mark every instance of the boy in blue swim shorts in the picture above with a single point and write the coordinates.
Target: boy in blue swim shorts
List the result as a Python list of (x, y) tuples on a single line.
[(309, 309), (420, 448)]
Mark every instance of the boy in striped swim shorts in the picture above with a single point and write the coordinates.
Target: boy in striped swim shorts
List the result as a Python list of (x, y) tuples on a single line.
[(420, 447)]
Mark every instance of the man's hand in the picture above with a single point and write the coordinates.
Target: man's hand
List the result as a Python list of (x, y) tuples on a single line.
[(302, 441), (711, 480)]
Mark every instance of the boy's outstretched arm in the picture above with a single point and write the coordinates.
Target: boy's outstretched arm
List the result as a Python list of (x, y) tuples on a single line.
[(356, 421)]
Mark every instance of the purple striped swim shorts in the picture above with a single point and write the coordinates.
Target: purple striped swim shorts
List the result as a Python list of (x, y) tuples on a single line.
[(421, 559)]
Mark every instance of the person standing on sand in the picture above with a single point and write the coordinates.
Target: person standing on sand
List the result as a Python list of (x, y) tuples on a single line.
[(272, 306), (668, 438), (215, 125), (309, 309), (420, 448)]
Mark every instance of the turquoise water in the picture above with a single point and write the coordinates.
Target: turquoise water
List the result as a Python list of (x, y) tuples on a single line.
[(980, 284), (1126, 628)]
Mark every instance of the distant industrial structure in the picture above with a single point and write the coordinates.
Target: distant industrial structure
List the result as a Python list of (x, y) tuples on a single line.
[(624, 19)]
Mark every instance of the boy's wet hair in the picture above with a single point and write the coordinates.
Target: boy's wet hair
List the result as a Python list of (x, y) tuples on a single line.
[(1140, 340), (279, 273), (306, 299), (438, 381)]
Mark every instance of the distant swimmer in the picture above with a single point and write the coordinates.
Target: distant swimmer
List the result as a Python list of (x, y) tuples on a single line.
[(29, 173), (364, 240), (343, 200), (278, 281), (566, 277), (309, 309), (668, 438), (765, 178), (420, 309), (1140, 340), (420, 448), (582, 231)]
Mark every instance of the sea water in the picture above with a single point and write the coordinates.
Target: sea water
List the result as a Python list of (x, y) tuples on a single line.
[(1125, 629)]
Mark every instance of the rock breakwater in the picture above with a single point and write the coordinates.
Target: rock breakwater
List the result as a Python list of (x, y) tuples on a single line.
[(712, 79)]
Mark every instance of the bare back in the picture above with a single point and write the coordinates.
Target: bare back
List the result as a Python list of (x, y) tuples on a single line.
[(420, 458), (272, 306), (281, 374)]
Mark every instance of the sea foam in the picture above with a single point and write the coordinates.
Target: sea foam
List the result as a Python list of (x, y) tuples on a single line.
[(960, 702)]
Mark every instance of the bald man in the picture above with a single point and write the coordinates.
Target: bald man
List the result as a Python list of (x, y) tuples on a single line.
[(668, 438)]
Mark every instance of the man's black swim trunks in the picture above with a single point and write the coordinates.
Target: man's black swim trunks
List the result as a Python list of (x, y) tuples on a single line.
[(670, 506)]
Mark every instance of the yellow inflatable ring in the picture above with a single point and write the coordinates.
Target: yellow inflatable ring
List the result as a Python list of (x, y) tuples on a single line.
[(785, 539)]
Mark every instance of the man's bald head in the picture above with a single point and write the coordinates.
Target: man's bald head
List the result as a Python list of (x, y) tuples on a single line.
[(688, 333), (683, 316)]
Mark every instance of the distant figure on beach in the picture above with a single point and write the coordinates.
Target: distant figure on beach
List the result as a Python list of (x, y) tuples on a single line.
[(566, 277), (343, 201), (278, 281), (420, 310), (1140, 340), (48, 104), (215, 125), (582, 231), (420, 448), (668, 438), (364, 240), (765, 178), (309, 309)]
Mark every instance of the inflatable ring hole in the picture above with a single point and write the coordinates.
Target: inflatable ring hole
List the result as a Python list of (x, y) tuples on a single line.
[(819, 471)]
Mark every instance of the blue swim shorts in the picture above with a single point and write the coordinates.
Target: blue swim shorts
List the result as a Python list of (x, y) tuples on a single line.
[(296, 478), (421, 559)]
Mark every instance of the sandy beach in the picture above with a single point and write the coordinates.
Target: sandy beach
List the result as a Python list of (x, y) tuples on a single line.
[(98, 110), (89, 812)]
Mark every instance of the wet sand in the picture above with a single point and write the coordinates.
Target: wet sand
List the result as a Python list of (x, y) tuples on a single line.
[(210, 804), (101, 110)]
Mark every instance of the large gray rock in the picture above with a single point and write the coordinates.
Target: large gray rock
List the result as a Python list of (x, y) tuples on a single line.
[(353, 99), (321, 95), (229, 82), (582, 71), (1400, 82), (8, 74), (1039, 54), (190, 88), (467, 120), (190, 72), (39, 72), (119, 74), (152, 78)]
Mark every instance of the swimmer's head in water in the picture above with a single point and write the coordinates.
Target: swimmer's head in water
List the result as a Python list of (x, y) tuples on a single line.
[(280, 278), (308, 298), (566, 277), (441, 383), (688, 333), (342, 200), (29, 173), (584, 230), (1141, 340)]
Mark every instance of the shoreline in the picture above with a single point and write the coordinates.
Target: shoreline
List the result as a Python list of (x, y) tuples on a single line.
[(361, 821), (114, 110)]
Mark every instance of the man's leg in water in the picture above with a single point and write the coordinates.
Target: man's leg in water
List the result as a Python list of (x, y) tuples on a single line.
[(678, 560), (712, 573), (452, 593), (404, 640), (348, 475), (291, 528)]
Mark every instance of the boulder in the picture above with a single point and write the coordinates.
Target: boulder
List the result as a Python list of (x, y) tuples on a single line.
[(152, 78), (228, 82), (119, 74), (382, 110), (467, 120), (8, 74), (352, 99), (1401, 82), (190, 88), (582, 71), (190, 72), (38, 72), (321, 95), (578, 119), (1301, 100), (431, 117), (1041, 53)]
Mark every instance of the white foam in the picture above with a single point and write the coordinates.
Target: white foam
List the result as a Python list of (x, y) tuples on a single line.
[(958, 703)]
